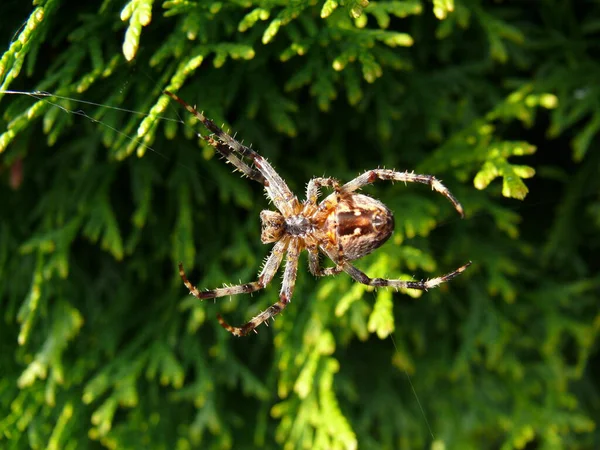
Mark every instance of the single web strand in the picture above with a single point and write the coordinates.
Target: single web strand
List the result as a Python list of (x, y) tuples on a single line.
[(414, 391), (41, 96)]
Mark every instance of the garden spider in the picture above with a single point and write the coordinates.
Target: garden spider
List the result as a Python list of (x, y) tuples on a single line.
[(344, 226)]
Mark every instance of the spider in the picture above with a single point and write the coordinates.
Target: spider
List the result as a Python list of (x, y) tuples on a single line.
[(345, 225)]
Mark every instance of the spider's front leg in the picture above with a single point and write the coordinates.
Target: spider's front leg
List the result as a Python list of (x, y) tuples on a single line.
[(371, 176), (226, 152), (225, 144), (285, 296), (278, 191)]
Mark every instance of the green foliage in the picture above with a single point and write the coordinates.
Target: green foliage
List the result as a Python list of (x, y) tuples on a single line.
[(105, 187)]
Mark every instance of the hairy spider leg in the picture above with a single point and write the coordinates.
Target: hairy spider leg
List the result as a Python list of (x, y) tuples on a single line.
[(314, 264), (277, 190), (285, 296), (371, 176), (266, 275), (313, 188), (422, 285), (226, 152), (357, 275)]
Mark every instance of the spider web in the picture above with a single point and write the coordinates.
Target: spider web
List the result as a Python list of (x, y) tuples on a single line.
[(53, 99)]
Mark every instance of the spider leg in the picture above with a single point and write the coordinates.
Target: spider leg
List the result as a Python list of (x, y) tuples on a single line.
[(313, 188), (385, 174), (314, 264), (285, 296), (226, 151), (268, 272), (276, 188), (422, 285)]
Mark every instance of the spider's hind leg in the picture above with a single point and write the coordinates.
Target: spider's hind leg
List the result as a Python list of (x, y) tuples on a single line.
[(245, 288), (264, 316), (272, 263), (314, 264), (285, 296), (422, 285)]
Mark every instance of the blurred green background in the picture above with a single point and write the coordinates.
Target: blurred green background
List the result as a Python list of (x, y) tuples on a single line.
[(100, 345)]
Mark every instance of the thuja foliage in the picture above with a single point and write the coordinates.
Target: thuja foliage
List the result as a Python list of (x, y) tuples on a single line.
[(102, 346)]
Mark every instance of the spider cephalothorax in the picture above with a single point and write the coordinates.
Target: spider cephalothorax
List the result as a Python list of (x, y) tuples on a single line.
[(344, 226)]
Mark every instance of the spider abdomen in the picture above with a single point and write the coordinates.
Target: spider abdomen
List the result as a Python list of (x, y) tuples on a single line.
[(359, 224)]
